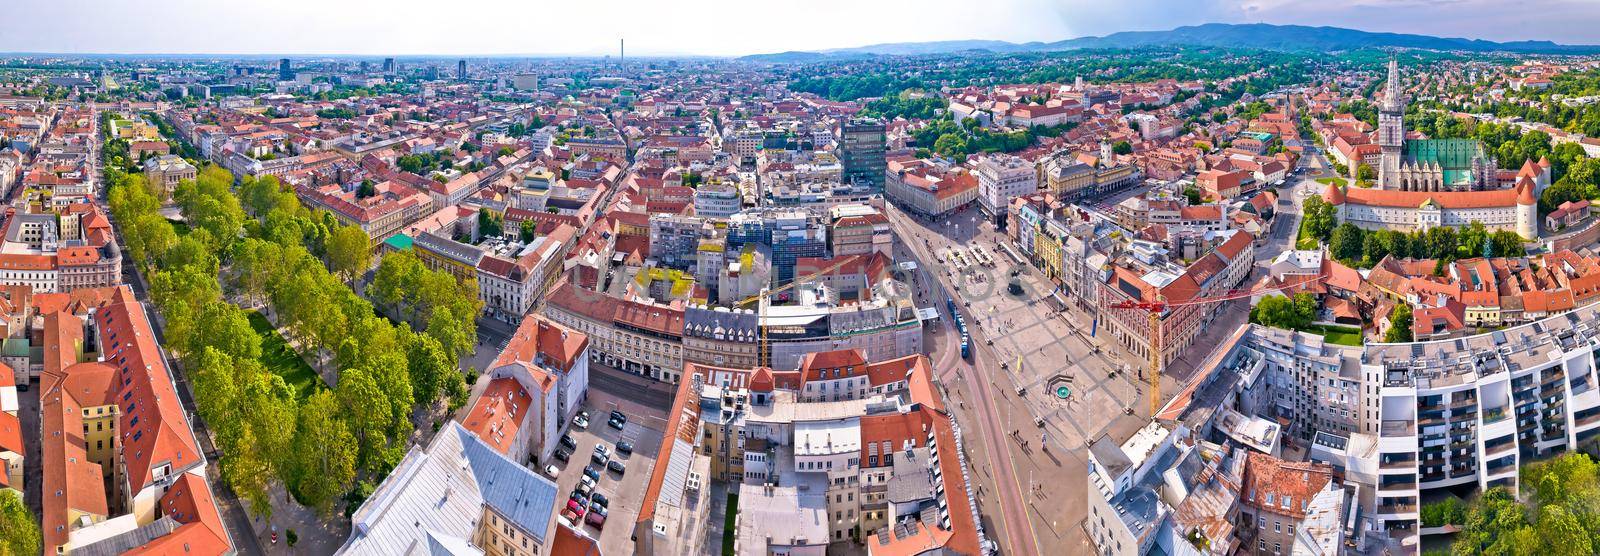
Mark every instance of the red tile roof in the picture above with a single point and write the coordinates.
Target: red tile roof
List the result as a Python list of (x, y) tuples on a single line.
[(499, 413)]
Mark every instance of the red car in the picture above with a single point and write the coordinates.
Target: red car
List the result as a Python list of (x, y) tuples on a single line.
[(598, 520), (577, 508)]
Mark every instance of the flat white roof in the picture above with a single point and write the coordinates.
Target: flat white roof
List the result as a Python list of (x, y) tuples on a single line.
[(819, 438)]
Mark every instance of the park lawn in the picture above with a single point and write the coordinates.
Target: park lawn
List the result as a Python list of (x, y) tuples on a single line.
[(1333, 181), (729, 516), (1303, 241), (282, 360), (1342, 335)]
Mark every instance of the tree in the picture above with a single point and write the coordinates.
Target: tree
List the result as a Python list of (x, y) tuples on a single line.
[(366, 189), (429, 367), (1193, 195), (452, 333), (1441, 242), (323, 452), (1399, 324), (1346, 243), (529, 230), (1507, 244), (1122, 147), (489, 225), (1365, 173), (1280, 312), (1472, 240), (505, 151), (1320, 218), (1562, 534), (349, 252), (227, 329), (367, 419), (19, 533)]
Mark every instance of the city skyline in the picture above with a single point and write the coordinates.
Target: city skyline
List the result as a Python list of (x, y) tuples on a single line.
[(717, 28)]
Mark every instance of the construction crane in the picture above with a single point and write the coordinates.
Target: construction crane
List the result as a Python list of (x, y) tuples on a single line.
[(761, 346), (1161, 305)]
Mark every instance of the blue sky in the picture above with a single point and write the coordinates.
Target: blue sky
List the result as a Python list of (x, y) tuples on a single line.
[(714, 27)]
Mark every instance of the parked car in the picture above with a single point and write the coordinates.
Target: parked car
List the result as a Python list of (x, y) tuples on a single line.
[(568, 443), (600, 499), (616, 466), (551, 470), (577, 507), (624, 448), (616, 423), (579, 495), (599, 459), (602, 449), (596, 508), (592, 473), (581, 422), (597, 520), (571, 517), (585, 489), (619, 416), (563, 455)]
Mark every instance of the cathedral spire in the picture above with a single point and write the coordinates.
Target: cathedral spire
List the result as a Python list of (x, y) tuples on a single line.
[(1392, 101)]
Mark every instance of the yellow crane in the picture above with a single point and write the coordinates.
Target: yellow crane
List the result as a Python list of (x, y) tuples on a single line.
[(1160, 305), (761, 345)]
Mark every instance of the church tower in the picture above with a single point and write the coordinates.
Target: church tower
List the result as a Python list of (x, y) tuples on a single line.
[(1391, 129)]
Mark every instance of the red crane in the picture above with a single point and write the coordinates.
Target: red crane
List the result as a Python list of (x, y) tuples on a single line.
[(1160, 305)]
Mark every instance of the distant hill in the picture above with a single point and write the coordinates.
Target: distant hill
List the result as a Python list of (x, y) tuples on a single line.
[(1249, 35)]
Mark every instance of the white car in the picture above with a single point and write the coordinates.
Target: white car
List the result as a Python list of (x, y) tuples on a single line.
[(580, 422), (551, 471)]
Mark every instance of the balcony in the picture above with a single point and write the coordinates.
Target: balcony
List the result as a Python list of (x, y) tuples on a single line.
[(1398, 464), (1431, 420), (1494, 414), (1469, 402), (1431, 477), (1589, 419), (1398, 485), (1435, 406), (1397, 509), (1398, 428)]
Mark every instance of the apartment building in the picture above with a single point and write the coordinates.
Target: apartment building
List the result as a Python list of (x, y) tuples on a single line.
[(869, 454), (536, 385), (919, 187), (443, 254), (858, 230), (1223, 269), (1001, 178), (460, 492), (123, 471), (1473, 410), (1206, 477), (513, 277), (71, 249)]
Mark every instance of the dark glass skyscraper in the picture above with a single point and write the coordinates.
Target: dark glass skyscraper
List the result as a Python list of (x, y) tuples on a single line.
[(861, 153), (285, 73)]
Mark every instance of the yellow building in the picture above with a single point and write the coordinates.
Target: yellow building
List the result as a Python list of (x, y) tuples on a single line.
[(440, 253)]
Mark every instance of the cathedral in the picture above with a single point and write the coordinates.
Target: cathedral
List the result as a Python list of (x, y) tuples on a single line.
[(1426, 164)]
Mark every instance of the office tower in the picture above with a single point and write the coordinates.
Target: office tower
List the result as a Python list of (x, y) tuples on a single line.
[(461, 70), (284, 72), (862, 152), (388, 65)]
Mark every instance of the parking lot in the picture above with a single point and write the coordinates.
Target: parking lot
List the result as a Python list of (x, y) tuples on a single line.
[(623, 492)]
